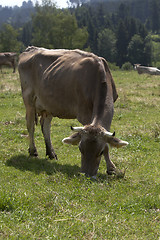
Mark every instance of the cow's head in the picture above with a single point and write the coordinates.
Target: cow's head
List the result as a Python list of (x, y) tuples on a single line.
[(92, 141), (136, 65)]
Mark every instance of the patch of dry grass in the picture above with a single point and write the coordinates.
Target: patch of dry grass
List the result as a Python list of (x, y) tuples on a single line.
[(9, 82)]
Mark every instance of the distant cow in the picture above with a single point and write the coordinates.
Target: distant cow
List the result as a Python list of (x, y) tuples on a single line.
[(148, 70), (8, 58), (70, 84)]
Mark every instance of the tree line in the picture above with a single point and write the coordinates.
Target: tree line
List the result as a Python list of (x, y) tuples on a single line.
[(117, 35)]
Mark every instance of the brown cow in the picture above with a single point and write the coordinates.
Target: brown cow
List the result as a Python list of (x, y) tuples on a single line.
[(8, 58), (70, 84)]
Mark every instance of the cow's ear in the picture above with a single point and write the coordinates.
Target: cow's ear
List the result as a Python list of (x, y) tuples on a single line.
[(73, 139), (115, 142)]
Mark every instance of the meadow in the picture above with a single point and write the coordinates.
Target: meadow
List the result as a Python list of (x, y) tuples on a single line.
[(49, 199)]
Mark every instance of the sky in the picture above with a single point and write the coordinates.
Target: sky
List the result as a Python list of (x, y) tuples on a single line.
[(12, 3)]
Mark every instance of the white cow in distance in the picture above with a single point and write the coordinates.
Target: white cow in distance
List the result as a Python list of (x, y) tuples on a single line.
[(148, 70)]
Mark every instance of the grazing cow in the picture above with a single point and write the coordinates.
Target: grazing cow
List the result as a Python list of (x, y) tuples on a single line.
[(8, 58), (70, 84), (148, 70)]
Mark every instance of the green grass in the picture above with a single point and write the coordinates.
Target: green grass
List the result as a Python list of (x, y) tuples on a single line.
[(44, 199)]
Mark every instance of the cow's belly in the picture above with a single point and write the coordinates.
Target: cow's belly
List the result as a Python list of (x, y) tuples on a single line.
[(57, 108)]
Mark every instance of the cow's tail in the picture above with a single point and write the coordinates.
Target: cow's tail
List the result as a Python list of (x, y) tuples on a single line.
[(35, 112)]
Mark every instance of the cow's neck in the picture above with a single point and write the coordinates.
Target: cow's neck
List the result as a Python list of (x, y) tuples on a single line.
[(103, 104)]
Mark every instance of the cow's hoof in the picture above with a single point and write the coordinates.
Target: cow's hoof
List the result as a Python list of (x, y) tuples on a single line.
[(52, 156), (33, 153), (112, 171), (117, 173)]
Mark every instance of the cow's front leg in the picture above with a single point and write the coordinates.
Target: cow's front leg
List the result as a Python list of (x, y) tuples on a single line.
[(45, 122), (111, 168), (30, 119)]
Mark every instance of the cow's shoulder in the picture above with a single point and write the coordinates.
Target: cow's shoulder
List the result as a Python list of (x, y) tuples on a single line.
[(34, 54)]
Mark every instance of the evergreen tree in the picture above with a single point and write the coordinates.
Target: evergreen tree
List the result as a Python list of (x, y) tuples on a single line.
[(139, 50), (136, 50), (148, 50), (132, 27), (107, 45), (122, 43), (123, 11), (9, 39), (155, 15), (142, 31), (26, 34)]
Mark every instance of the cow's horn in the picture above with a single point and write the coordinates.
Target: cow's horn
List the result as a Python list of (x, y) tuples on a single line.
[(77, 129), (109, 134)]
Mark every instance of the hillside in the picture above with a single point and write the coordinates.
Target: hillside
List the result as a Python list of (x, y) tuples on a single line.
[(141, 9), (118, 30), (16, 16)]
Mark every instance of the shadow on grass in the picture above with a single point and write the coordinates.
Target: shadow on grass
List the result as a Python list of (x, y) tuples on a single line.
[(50, 167), (39, 165)]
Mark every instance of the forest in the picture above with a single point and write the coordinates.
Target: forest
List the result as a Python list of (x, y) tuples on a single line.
[(124, 32)]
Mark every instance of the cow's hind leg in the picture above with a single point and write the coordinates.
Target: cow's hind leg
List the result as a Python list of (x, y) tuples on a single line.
[(14, 66), (45, 122), (111, 168), (30, 118)]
